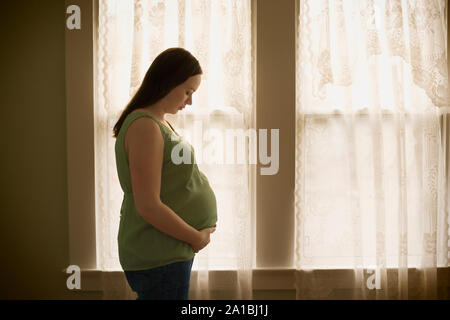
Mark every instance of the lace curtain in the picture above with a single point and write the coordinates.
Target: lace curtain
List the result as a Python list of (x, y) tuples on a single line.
[(218, 33), (371, 144)]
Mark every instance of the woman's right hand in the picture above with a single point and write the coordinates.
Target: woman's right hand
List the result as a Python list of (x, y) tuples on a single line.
[(203, 239)]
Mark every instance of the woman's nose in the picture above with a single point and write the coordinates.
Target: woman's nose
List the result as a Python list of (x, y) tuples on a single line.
[(189, 101)]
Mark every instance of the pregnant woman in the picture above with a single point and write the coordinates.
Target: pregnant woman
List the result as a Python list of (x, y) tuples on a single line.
[(168, 210)]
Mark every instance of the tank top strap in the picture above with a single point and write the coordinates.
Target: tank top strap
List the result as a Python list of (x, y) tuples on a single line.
[(172, 128)]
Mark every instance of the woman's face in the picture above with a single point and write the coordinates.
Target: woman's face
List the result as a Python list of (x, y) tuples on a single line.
[(181, 95)]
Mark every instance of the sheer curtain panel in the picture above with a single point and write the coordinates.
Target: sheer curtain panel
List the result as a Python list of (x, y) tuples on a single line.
[(371, 143), (131, 33)]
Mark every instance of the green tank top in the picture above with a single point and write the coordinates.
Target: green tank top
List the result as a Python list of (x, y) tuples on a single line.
[(184, 189)]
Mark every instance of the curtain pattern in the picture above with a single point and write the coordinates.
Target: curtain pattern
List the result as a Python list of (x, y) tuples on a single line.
[(218, 33), (371, 188)]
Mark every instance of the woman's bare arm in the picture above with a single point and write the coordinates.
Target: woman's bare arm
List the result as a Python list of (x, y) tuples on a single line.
[(144, 145)]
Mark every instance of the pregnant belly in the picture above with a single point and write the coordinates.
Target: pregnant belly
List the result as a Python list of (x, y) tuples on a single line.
[(195, 202), (201, 210)]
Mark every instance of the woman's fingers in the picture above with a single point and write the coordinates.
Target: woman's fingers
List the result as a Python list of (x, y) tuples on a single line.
[(206, 238)]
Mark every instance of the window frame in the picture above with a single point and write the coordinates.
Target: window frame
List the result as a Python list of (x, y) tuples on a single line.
[(79, 45)]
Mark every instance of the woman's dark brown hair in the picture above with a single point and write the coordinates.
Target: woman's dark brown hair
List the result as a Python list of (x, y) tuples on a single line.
[(170, 68)]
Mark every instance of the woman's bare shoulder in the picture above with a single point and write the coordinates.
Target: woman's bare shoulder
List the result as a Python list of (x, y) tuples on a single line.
[(143, 130)]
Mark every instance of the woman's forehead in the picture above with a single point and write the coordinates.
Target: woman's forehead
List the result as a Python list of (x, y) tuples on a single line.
[(193, 82)]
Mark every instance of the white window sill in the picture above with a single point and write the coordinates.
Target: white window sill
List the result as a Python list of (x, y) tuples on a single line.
[(263, 279)]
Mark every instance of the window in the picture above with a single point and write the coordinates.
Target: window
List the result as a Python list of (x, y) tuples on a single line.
[(279, 238), (271, 252), (371, 174), (131, 35)]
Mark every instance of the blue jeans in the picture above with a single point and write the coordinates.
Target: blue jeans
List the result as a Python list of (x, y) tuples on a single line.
[(169, 282)]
